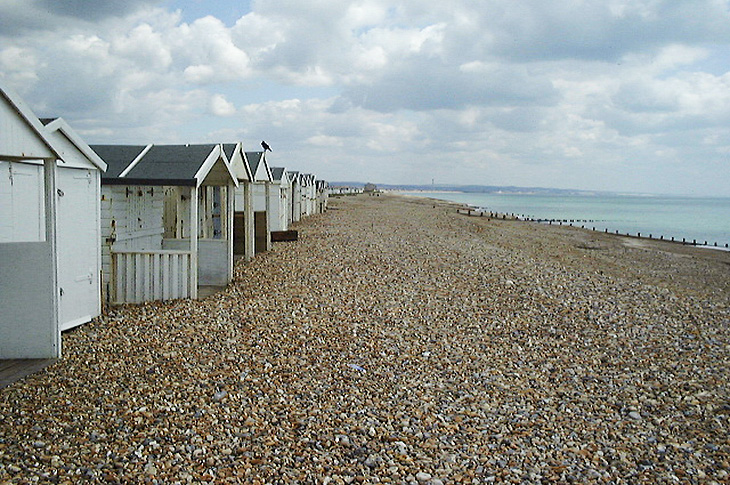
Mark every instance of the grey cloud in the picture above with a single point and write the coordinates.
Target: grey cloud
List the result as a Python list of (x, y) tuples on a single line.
[(519, 119), (638, 97), (540, 31), (93, 9), (18, 17), (74, 92), (430, 86)]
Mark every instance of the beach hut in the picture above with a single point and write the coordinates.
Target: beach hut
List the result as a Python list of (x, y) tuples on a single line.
[(167, 221), (308, 194), (261, 190), (38, 190), (295, 180), (279, 203), (243, 217), (322, 197), (78, 231)]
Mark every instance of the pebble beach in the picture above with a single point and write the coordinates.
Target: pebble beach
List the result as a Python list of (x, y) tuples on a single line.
[(400, 342)]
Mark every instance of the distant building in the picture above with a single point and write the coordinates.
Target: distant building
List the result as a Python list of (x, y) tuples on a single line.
[(370, 188)]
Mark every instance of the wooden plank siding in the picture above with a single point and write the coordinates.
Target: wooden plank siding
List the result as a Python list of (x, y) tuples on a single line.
[(131, 218)]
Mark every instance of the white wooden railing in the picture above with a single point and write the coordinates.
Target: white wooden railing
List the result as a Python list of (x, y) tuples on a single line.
[(138, 276)]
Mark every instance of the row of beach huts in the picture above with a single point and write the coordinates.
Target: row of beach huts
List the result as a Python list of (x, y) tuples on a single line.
[(85, 226)]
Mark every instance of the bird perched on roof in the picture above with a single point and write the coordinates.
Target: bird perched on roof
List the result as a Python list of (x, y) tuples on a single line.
[(265, 146)]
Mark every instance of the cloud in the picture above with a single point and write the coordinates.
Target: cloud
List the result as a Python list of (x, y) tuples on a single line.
[(325, 141), (208, 49), (145, 46), (421, 84), (220, 106), (577, 93), (94, 10), (28, 17), (599, 30), (19, 65)]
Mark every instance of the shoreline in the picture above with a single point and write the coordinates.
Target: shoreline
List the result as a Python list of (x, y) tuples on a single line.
[(470, 207), (395, 342)]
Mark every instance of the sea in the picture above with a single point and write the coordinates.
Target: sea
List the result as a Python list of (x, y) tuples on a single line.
[(705, 220)]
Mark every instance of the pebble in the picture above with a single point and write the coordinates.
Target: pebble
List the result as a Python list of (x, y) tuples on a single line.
[(398, 342), (423, 477)]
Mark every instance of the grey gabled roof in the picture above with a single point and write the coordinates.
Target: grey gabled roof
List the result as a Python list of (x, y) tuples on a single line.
[(160, 165), (171, 163), (117, 158), (229, 149), (277, 173), (254, 159)]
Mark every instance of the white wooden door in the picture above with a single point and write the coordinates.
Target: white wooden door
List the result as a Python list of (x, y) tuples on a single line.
[(78, 246)]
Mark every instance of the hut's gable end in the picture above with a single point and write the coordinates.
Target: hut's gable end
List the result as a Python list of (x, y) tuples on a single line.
[(19, 137), (219, 175), (238, 164), (72, 157)]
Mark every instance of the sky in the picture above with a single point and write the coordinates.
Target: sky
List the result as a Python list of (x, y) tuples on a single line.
[(618, 95)]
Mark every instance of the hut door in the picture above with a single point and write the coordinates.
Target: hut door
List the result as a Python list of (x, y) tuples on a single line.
[(239, 233), (260, 229), (78, 246)]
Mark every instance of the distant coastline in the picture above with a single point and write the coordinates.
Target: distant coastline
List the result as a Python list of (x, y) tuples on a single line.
[(407, 192), (515, 190)]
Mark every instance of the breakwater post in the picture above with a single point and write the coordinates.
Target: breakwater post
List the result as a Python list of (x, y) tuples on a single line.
[(523, 217)]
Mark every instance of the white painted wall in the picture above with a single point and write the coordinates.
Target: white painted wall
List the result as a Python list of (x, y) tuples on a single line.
[(259, 196), (296, 202), (21, 202), (27, 302), (29, 327), (276, 205), (213, 262)]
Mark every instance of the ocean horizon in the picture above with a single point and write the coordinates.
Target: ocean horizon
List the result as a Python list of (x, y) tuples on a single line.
[(701, 219)]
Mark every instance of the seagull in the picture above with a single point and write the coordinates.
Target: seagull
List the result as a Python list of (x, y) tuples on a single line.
[(265, 146)]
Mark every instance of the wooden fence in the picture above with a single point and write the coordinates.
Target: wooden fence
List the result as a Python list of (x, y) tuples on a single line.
[(138, 276)]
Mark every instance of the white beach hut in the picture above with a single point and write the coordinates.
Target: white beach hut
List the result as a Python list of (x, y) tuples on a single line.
[(322, 196), (157, 243), (47, 192), (78, 231), (295, 178), (308, 194), (243, 218), (261, 189), (280, 203)]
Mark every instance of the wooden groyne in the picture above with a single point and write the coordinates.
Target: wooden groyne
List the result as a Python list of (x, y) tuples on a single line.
[(476, 212)]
